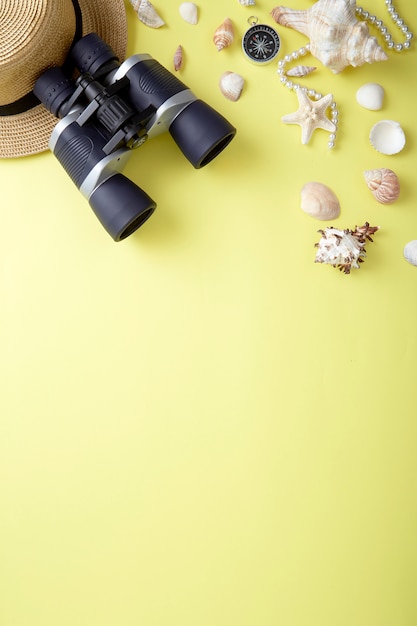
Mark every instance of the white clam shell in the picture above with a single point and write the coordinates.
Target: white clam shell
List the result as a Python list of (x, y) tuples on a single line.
[(410, 252), (371, 96), (189, 12), (319, 201), (231, 85), (384, 184), (387, 137), (147, 13)]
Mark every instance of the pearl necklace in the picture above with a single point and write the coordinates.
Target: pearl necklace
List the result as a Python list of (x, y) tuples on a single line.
[(389, 43)]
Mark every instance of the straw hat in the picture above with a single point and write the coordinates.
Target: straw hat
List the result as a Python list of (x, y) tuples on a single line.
[(34, 36)]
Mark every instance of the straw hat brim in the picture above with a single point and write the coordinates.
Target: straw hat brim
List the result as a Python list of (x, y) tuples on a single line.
[(28, 133)]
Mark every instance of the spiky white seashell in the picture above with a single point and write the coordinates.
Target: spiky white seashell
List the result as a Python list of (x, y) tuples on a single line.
[(224, 34), (189, 12), (371, 96), (231, 85), (387, 137), (300, 70), (178, 58), (410, 252), (384, 184), (319, 201), (247, 3), (337, 38), (344, 249), (147, 13)]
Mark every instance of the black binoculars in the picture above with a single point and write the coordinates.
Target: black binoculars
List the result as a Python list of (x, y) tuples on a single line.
[(110, 109)]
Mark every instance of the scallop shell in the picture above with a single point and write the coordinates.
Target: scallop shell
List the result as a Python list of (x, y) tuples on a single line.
[(224, 34), (371, 96), (178, 58), (384, 184), (410, 252), (231, 85), (247, 3), (300, 70), (189, 12), (319, 201), (147, 13), (387, 137), (337, 38)]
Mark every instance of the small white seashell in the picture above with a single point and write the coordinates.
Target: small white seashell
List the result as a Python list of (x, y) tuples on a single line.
[(384, 184), (178, 58), (370, 96), (231, 85), (300, 70), (247, 3), (410, 252), (224, 34), (387, 137), (189, 12), (147, 13), (319, 201)]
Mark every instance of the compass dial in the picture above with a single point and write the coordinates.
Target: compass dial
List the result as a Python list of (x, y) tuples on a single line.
[(261, 43)]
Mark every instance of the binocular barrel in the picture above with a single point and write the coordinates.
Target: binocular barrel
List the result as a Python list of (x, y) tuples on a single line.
[(113, 107)]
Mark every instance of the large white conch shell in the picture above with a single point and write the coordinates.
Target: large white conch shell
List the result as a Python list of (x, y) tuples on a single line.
[(147, 13), (344, 249), (337, 38)]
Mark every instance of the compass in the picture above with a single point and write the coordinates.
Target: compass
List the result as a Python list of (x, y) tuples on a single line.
[(260, 43)]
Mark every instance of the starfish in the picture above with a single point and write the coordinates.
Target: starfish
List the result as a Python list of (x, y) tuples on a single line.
[(310, 115)]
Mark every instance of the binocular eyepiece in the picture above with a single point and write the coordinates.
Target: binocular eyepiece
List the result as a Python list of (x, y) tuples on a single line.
[(112, 108)]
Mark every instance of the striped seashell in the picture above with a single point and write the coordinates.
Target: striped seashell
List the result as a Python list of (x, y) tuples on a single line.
[(224, 34), (178, 58), (384, 184)]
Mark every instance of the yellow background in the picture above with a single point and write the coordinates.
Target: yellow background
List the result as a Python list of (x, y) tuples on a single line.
[(200, 426)]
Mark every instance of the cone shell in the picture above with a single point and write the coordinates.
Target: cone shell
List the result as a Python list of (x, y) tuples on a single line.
[(189, 12), (231, 85), (147, 13), (384, 184), (387, 137), (410, 252), (337, 38), (319, 201), (224, 34), (300, 70), (178, 58)]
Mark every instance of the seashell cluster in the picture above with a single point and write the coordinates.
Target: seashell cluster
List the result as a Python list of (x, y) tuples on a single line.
[(147, 13), (337, 38), (319, 201), (387, 137), (300, 70), (410, 252), (371, 96), (384, 184), (231, 85), (189, 12), (344, 249), (224, 34), (178, 58)]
